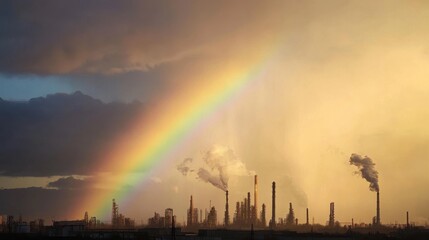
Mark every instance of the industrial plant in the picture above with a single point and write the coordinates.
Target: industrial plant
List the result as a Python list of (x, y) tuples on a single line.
[(247, 222)]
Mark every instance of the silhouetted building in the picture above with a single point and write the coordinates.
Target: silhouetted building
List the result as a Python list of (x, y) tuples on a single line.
[(10, 224), (290, 218), (37, 226), (86, 218), (212, 218), (195, 217), (237, 217), (115, 213), (192, 213), (93, 222), (156, 221), (68, 228), (168, 216), (128, 222)]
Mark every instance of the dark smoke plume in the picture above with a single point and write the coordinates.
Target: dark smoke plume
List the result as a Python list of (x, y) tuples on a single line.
[(366, 169)]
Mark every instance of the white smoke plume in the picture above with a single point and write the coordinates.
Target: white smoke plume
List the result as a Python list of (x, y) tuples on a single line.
[(366, 169), (206, 176), (217, 165)]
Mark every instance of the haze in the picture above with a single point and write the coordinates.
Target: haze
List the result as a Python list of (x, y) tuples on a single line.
[(333, 78)]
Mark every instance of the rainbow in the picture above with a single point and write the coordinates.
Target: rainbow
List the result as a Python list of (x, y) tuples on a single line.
[(156, 136)]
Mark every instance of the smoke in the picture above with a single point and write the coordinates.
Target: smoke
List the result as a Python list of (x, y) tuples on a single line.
[(206, 176), (184, 167), (292, 189), (367, 170), (216, 166)]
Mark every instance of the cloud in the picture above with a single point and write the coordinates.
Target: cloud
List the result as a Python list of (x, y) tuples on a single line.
[(70, 183), (115, 36), (59, 134), (126, 50)]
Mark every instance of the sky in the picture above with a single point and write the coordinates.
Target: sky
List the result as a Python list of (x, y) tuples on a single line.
[(83, 85)]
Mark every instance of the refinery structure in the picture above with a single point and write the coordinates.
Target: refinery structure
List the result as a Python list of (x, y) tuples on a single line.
[(248, 220)]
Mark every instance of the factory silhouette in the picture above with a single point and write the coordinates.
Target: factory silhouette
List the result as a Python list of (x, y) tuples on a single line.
[(245, 222)]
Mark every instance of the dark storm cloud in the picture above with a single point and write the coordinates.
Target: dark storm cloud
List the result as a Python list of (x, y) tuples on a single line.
[(70, 183), (126, 50), (59, 134), (61, 37)]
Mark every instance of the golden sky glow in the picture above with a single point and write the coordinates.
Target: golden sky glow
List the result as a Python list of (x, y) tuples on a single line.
[(338, 77)]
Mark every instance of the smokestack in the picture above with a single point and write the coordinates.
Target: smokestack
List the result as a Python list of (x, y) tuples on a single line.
[(273, 214), (249, 213), (191, 211), (378, 208), (256, 197), (307, 216), (226, 211), (408, 223), (331, 214), (263, 219)]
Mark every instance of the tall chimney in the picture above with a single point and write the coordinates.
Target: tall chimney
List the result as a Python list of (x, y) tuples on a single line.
[(378, 209), (331, 214), (408, 223), (307, 216), (273, 214), (256, 197), (249, 213), (226, 211), (191, 211), (263, 219)]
